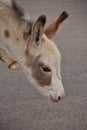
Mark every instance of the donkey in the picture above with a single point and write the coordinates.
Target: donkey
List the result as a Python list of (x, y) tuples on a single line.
[(29, 45)]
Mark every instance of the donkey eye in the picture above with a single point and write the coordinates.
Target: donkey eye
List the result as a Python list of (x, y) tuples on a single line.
[(46, 69)]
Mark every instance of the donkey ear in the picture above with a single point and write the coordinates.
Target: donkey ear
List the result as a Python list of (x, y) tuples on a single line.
[(38, 29), (53, 27)]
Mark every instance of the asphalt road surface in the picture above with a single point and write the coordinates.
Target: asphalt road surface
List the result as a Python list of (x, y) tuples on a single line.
[(22, 107)]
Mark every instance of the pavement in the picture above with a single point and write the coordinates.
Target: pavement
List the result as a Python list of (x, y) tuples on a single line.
[(22, 107)]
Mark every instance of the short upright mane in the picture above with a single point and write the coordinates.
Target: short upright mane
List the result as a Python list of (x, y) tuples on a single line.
[(25, 21), (18, 9)]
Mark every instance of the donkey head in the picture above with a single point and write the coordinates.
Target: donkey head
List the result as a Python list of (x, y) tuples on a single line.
[(43, 59)]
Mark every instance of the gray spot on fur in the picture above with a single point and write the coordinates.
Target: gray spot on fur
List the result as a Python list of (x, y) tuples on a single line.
[(7, 34), (17, 39)]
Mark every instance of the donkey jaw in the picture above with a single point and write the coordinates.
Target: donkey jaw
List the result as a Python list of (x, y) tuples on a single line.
[(55, 93)]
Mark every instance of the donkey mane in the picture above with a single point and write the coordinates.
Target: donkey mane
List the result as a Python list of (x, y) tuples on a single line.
[(18, 9), (24, 20)]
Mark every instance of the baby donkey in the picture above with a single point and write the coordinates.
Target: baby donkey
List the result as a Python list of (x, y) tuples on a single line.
[(29, 45)]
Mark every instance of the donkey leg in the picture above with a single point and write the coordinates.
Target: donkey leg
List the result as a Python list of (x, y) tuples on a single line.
[(5, 57)]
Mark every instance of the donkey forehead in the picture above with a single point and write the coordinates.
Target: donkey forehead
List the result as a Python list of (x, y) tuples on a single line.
[(50, 52), (49, 44), (46, 52)]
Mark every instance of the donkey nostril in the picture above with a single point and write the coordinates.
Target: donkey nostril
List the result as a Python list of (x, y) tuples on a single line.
[(59, 98), (54, 99)]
